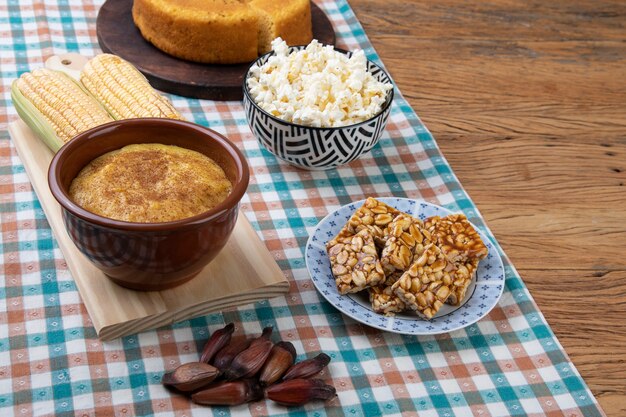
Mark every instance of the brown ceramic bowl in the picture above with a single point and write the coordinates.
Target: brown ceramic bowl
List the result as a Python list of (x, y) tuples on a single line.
[(149, 256)]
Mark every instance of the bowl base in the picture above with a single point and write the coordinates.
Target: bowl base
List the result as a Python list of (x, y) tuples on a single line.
[(142, 286)]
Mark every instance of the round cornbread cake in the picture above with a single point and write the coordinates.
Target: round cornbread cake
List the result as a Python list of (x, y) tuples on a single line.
[(222, 31), (150, 183)]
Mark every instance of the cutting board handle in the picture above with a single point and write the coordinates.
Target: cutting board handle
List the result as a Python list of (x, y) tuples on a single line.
[(70, 63)]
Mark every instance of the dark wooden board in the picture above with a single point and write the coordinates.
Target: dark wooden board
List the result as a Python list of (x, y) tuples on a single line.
[(117, 34)]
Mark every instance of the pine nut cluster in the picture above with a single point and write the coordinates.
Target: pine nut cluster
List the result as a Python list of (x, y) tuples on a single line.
[(238, 371)]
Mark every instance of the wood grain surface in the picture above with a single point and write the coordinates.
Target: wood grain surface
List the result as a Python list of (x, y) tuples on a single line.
[(527, 100)]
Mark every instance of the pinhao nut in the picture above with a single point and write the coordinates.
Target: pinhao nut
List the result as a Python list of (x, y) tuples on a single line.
[(250, 361), (216, 342), (229, 393), (300, 391), (190, 376), (307, 368), (225, 356), (281, 358), (265, 335)]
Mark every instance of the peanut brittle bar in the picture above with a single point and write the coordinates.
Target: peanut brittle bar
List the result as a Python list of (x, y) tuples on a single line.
[(385, 301), (461, 280), (393, 277), (456, 238), (374, 216), (426, 285), (354, 262), (404, 240)]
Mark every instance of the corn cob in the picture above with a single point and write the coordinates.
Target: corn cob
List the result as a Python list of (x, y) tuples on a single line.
[(55, 106), (123, 90)]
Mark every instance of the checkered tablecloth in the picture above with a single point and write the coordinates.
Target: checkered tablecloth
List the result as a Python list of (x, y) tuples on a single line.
[(52, 363)]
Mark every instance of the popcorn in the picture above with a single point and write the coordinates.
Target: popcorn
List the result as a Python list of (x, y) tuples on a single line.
[(317, 86)]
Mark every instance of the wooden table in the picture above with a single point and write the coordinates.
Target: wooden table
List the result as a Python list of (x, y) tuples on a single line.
[(527, 100)]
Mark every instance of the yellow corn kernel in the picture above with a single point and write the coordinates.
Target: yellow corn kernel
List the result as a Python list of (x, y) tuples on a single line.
[(123, 90), (61, 103)]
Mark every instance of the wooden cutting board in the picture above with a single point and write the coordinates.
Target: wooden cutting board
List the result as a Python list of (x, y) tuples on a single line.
[(242, 273), (117, 34)]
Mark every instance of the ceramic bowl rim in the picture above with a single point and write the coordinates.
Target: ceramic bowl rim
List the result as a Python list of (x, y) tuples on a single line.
[(385, 107), (232, 200)]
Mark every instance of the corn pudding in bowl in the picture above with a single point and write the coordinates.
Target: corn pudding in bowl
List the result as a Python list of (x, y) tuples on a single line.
[(161, 243), (150, 183)]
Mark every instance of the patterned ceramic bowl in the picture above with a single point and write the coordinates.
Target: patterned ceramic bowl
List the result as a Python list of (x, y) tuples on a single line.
[(316, 148)]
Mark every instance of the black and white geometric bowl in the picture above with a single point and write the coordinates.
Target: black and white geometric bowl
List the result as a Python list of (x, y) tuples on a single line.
[(316, 148)]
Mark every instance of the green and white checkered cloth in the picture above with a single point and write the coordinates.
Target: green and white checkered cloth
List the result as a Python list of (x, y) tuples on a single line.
[(52, 363)]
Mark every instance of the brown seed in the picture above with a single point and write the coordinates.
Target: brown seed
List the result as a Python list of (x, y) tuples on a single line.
[(307, 368), (300, 391), (229, 393), (247, 363), (225, 356), (190, 376), (265, 335), (281, 358), (216, 342)]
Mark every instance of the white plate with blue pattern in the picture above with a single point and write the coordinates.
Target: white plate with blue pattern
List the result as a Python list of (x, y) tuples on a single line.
[(482, 294)]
